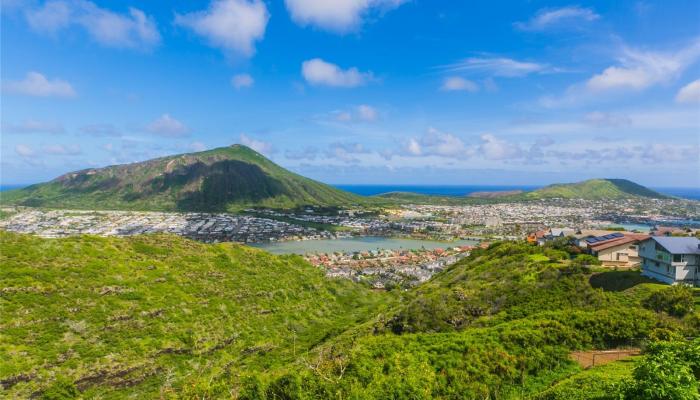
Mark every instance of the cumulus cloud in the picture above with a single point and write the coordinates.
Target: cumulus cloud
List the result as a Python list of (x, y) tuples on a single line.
[(558, 17), (232, 25), (257, 145), (499, 66), (132, 30), (345, 152), (361, 113), (437, 143), (338, 16), (167, 126), (242, 81), (33, 126), (37, 85), (24, 150), (638, 69), (456, 83), (321, 73), (367, 113), (493, 148), (689, 93)]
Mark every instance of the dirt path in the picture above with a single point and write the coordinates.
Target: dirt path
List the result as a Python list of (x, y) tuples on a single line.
[(595, 358)]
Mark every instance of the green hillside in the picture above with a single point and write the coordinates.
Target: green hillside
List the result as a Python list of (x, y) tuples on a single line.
[(221, 179), (165, 317), (148, 315), (594, 189)]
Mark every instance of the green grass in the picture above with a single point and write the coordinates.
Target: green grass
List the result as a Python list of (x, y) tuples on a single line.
[(159, 316), (160, 311), (594, 189), (590, 384)]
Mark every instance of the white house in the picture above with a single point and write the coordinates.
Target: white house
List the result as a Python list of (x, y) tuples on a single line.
[(671, 259)]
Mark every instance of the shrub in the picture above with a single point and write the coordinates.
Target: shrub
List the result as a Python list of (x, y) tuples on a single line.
[(668, 371), (674, 300)]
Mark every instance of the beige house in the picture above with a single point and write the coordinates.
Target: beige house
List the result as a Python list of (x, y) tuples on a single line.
[(621, 252)]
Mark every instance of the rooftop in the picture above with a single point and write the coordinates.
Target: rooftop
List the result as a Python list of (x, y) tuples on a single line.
[(679, 245)]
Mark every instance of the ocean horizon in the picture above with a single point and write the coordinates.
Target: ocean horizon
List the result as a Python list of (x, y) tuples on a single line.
[(452, 190)]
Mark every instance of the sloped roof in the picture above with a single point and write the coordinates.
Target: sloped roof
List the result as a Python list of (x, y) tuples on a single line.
[(627, 239), (679, 245)]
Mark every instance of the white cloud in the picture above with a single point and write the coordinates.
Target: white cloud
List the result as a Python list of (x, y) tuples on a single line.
[(62, 150), (134, 30), (437, 143), (24, 150), (36, 84), (322, 73), (606, 119), (345, 152), (338, 16), (233, 25), (33, 126), (167, 126), (639, 70), (456, 83), (257, 145), (367, 113), (689, 93), (242, 81), (361, 113), (197, 146), (499, 66), (493, 148), (559, 17), (414, 148)]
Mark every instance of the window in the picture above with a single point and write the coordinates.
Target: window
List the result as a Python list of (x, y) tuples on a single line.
[(677, 258)]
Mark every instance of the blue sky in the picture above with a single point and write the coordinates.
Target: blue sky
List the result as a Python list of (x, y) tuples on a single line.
[(358, 91)]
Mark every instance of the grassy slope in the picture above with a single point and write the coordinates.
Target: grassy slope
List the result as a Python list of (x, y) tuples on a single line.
[(594, 189), (590, 384), (107, 313), (499, 324), (160, 314), (236, 177)]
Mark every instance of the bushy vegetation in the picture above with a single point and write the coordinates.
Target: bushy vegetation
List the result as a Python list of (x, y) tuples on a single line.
[(149, 314), (159, 316), (675, 300)]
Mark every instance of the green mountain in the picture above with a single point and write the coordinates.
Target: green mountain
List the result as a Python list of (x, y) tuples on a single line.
[(220, 179), (159, 316), (595, 189)]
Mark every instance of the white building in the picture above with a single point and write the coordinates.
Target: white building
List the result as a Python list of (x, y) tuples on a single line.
[(671, 259)]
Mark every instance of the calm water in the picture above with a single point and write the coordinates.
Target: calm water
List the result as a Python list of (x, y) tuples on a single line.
[(444, 190), (452, 190), (463, 190), (364, 243)]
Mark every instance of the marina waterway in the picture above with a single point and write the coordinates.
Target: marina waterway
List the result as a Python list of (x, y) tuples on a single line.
[(355, 244)]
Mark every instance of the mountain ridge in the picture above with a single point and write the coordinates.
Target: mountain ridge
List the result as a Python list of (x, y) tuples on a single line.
[(221, 179)]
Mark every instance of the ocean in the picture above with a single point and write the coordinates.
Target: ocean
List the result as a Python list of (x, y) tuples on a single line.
[(463, 190), (455, 190), (438, 190)]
